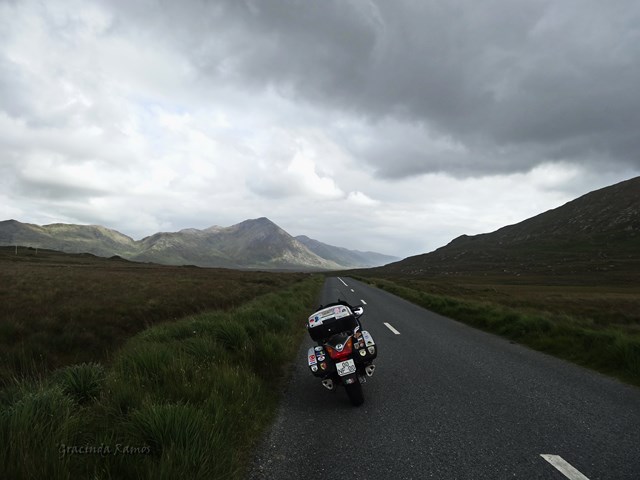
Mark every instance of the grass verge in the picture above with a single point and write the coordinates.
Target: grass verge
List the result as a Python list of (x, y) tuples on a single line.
[(605, 348), (186, 399)]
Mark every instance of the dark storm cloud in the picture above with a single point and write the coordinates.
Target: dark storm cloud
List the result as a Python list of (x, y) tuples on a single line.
[(514, 82)]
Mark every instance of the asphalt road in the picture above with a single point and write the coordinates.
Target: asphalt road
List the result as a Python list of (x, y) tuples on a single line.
[(451, 402)]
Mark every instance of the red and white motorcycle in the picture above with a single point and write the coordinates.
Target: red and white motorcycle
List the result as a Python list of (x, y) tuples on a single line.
[(344, 352)]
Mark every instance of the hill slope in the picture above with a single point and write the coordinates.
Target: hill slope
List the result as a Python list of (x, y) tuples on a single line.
[(597, 232), (67, 238)]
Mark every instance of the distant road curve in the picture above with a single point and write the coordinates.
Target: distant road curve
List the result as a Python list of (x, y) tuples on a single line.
[(451, 402)]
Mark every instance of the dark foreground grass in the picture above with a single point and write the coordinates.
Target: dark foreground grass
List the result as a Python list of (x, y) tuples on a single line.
[(604, 345), (186, 399)]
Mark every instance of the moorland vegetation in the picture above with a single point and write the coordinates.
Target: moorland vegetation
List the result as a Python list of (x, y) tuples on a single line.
[(118, 370)]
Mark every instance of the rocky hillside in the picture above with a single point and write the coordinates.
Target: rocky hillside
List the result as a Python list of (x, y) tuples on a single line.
[(599, 231), (257, 243)]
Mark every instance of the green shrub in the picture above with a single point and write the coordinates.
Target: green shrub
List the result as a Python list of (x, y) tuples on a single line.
[(627, 351), (181, 437), (82, 382), (145, 360), (170, 426), (32, 431), (121, 396), (205, 350), (232, 335)]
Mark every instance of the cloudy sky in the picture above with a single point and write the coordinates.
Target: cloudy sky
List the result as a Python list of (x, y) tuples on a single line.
[(392, 126)]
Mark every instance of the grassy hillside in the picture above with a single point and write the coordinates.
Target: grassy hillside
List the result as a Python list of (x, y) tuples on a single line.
[(594, 235), (69, 238)]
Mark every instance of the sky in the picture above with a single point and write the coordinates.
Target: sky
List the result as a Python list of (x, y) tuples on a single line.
[(390, 126)]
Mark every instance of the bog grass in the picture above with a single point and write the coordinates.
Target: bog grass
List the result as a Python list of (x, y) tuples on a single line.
[(181, 399), (572, 322), (60, 309)]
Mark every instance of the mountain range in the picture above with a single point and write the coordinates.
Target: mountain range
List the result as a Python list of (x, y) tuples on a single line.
[(597, 232), (256, 243)]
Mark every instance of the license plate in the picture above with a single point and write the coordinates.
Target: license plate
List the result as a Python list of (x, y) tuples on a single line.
[(345, 368)]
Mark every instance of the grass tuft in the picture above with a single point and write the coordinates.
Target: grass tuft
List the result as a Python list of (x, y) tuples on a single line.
[(232, 335), (164, 427), (81, 382), (33, 429)]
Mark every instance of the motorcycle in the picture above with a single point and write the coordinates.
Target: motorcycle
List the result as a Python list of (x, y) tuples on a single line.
[(344, 352)]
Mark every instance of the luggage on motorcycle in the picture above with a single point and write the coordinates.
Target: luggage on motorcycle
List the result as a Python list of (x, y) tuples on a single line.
[(316, 357), (365, 344), (331, 320)]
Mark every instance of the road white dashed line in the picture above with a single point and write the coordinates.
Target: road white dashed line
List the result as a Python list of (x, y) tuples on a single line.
[(363, 302), (343, 282), (353, 290), (564, 467), (391, 328)]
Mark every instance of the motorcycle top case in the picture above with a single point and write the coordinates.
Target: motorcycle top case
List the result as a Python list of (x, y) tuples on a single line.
[(331, 320)]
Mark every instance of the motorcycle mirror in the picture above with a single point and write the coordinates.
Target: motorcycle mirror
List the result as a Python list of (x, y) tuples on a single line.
[(358, 311)]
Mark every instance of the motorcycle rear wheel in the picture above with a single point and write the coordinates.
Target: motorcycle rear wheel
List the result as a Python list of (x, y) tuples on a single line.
[(354, 392)]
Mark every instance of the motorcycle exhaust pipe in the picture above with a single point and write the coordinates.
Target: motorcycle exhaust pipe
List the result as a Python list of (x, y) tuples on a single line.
[(327, 383), (369, 369)]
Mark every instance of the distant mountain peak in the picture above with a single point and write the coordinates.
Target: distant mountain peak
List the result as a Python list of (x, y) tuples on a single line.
[(261, 221), (253, 243)]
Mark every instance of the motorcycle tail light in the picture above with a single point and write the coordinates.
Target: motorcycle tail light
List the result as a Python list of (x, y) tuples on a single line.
[(345, 353)]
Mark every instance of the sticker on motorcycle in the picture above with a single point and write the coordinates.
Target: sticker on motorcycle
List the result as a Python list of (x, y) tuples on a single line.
[(345, 368), (368, 339), (327, 313), (311, 357)]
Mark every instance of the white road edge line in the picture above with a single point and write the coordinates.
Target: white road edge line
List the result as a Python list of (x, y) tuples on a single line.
[(343, 282), (564, 467), (363, 302), (397, 332)]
